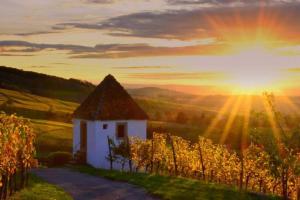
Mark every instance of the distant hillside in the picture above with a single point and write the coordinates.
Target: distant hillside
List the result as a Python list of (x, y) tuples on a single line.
[(44, 85), (160, 94)]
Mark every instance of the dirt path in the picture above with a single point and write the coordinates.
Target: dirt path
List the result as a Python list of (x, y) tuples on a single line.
[(85, 187)]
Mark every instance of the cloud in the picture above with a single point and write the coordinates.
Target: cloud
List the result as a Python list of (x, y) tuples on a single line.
[(110, 50), (142, 67), (178, 75), (36, 47), (35, 33), (195, 24), (228, 2), (150, 51), (170, 25), (10, 55), (60, 63), (39, 67), (100, 1)]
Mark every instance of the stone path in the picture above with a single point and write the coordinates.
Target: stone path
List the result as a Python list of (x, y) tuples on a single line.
[(86, 187)]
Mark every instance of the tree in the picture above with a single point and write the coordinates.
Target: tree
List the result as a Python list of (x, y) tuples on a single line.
[(284, 159), (16, 151)]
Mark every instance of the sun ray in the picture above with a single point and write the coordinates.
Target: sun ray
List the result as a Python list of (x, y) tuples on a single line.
[(245, 131), (219, 116), (272, 120), (231, 118), (290, 104)]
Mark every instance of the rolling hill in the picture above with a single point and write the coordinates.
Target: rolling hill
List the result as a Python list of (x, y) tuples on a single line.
[(44, 85)]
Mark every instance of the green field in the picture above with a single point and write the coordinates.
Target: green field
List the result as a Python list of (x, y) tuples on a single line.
[(175, 188), (52, 136), (26, 101)]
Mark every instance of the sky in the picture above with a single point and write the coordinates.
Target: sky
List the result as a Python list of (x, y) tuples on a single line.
[(197, 46)]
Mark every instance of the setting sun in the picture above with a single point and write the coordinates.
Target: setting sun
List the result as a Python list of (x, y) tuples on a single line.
[(257, 77)]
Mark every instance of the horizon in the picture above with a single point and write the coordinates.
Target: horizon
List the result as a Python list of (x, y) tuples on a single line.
[(184, 89)]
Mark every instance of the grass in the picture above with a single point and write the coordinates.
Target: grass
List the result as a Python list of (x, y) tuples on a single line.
[(52, 136), (47, 116), (40, 190), (28, 101), (174, 188)]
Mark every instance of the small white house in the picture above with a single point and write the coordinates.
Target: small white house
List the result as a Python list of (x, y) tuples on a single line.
[(108, 111)]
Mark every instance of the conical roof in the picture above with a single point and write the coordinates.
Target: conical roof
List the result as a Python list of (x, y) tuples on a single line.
[(109, 101)]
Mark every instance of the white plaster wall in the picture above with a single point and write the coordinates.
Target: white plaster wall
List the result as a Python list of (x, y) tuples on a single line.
[(97, 145), (91, 153), (97, 139)]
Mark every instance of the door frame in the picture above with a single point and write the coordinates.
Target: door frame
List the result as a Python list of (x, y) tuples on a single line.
[(83, 136)]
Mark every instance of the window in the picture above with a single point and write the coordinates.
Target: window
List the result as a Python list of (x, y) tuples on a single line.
[(121, 130), (104, 126)]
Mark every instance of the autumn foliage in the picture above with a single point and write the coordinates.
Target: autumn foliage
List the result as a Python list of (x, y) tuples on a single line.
[(253, 170), (16, 153)]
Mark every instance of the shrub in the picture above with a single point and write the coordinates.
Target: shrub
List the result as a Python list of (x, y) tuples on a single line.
[(59, 158)]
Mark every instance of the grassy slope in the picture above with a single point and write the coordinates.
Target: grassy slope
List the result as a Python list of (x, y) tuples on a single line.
[(44, 85), (40, 190), (174, 188), (52, 136), (33, 102)]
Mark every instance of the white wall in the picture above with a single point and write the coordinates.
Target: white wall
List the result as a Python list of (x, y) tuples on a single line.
[(97, 145)]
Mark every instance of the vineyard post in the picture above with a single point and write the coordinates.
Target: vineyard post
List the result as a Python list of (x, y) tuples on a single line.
[(22, 177), (4, 192), (129, 153), (284, 183), (174, 153), (298, 188), (110, 155), (1, 186), (152, 153), (15, 180), (242, 171), (201, 160), (26, 176), (11, 185)]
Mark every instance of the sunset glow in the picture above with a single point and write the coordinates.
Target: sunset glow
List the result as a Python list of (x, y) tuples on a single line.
[(238, 47)]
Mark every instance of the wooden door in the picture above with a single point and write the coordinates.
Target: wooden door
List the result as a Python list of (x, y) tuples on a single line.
[(83, 136)]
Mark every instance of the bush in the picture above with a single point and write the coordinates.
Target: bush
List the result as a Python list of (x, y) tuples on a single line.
[(59, 158)]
